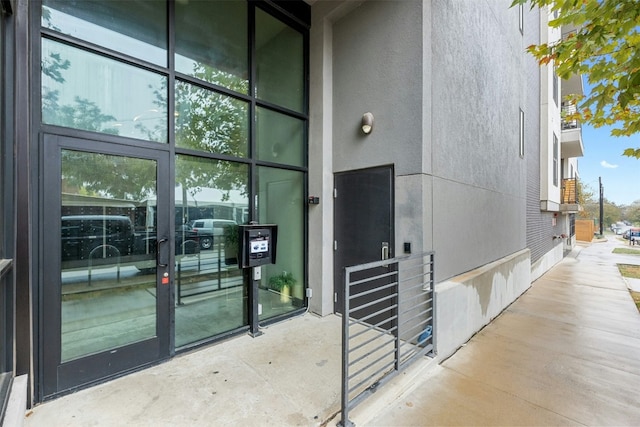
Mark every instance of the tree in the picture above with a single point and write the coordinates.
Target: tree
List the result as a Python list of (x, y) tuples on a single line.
[(632, 213), (605, 47), (204, 122), (612, 213), (585, 197), (209, 122)]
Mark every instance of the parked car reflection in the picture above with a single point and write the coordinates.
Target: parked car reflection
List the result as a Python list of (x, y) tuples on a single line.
[(93, 240)]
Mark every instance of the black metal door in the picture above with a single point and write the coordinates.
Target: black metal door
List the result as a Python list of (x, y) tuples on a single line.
[(105, 255), (363, 223)]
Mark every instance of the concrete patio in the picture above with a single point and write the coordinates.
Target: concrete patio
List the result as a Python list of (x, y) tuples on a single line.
[(565, 353)]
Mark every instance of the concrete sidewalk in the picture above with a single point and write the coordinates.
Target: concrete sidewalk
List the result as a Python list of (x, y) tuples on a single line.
[(566, 353)]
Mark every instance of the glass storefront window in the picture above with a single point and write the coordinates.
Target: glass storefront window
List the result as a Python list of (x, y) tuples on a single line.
[(279, 63), (108, 290), (280, 201), (211, 42), (211, 200), (279, 138), (107, 67), (86, 91), (211, 122), (134, 27)]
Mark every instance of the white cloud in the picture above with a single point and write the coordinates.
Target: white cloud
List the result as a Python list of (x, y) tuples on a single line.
[(604, 164)]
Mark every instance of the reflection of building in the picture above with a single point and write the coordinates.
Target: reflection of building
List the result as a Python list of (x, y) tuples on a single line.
[(211, 203), (254, 107)]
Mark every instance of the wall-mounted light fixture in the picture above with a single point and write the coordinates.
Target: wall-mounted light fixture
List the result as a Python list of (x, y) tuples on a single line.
[(367, 123)]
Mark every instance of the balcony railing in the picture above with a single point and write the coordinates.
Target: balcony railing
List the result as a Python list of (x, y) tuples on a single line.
[(569, 109), (569, 191)]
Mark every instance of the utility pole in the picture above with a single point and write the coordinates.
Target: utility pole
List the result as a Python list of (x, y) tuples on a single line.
[(601, 204)]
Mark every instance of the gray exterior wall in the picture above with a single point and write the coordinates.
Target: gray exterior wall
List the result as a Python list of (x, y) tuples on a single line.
[(539, 223), (479, 179), (377, 67), (445, 81)]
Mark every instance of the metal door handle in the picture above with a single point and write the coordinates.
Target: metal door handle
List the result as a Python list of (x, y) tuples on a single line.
[(385, 250), (160, 242)]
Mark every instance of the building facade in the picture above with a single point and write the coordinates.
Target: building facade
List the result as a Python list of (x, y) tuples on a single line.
[(137, 136)]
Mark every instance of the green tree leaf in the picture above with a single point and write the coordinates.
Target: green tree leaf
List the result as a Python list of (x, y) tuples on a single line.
[(605, 47)]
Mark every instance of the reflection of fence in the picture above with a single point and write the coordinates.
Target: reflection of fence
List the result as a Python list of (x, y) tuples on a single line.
[(202, 273), (106, 250), (387, 323)]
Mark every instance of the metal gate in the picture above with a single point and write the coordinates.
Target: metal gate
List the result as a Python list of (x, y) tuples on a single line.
[(388, 323)]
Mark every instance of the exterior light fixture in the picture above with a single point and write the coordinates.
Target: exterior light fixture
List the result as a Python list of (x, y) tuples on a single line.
[(367, 123)]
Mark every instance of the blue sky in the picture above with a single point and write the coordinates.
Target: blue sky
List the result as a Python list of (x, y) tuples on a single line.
[(603, 158)]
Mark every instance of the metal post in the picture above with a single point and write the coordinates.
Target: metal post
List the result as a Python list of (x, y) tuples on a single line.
[(601, 205), (254, 328), (432, 282), (398, 321), (219, 265)]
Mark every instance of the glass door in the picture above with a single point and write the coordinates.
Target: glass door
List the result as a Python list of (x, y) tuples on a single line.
[(106, 250)]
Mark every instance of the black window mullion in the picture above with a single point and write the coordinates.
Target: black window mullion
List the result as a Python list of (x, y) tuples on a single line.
[(102, 51), (172, 74), (253, 170), (171, 139)]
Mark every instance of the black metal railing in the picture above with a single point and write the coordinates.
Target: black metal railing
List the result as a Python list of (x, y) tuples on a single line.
[(388, 323)]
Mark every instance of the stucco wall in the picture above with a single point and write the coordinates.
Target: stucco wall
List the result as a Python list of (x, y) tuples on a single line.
[(470, 301), (377, 67), (545, 262), (479, 85), (445, 81)]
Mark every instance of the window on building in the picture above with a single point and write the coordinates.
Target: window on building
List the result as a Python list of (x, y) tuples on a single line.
[(227, 99), (555, 160), (224, 63), (521, 133), (7, 308), (555, 86), (136, 28)]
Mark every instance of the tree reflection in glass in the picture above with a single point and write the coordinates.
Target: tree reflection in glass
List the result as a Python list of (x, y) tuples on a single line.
[(211, 200), (107, 238), (87, 91), (211, 122)]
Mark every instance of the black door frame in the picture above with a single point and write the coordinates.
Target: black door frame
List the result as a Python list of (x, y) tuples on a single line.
[(56, 377), (338, 245)]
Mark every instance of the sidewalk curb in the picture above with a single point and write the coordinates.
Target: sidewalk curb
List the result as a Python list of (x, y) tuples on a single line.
[(632, 284)]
